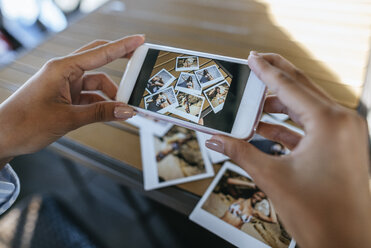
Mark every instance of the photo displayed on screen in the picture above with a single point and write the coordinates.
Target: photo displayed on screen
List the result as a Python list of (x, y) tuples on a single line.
[(192, 88)]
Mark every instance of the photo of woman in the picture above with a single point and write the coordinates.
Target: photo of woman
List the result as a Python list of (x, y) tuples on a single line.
[(238, 202), (209, 76), (177, 157), (190, 106), (187, 63), (159, 81), (188, 83), (178, 154), (216, 95), (162, 101)]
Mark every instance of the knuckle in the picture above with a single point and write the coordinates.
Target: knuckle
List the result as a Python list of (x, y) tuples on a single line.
[(277, 56), (100, 113), (108, 55), (98, 42), (298, 73), (103, 76), (323, 113), (280, 75), (53, 63)]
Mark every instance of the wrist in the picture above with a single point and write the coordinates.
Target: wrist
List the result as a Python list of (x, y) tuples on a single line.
[(4, 161)]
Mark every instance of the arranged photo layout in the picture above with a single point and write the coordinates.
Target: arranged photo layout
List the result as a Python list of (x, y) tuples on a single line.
[(164, 71), (159, 81), (234, 208), (175, 158), (188, 83), (216, 95), (162, 101), (189, 106), (187, 63), (209, 76)]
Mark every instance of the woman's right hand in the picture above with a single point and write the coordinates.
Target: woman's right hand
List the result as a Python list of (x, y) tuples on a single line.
[(321, 189)]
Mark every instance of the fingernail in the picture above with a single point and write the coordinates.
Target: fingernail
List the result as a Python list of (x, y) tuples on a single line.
[(254, 53), (215, 145), (122, 112)]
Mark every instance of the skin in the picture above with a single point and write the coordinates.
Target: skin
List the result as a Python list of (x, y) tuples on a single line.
[(321, 189), (51, 103)]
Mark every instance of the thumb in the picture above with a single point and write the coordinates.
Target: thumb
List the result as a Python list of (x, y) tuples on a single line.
[(256, 163), (102, 111)]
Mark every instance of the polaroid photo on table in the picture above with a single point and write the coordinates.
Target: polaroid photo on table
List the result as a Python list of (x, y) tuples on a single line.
[(175, 158), (234, 208), (162, 101), (189, 106), (187, 63), (159, 128), (215, 157), (188, 83), (159, 81), (209, 76), (216, 95)]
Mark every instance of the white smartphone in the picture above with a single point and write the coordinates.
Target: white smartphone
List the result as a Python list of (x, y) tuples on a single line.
[(204, 92)]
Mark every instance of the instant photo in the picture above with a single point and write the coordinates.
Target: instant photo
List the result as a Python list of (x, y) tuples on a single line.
[(187, 63), (177, 157), (216, 95), (188, 83), (161, 101), (209, 76), (193, 77), (189, 106), (234, 208), (159, 81)]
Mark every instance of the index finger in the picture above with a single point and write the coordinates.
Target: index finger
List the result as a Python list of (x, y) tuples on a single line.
[(106, 53), (299, 99), (285, 65)]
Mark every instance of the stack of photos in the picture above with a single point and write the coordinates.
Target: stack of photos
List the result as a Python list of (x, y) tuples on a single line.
[(177, 157), (186, 87), (234, 208)]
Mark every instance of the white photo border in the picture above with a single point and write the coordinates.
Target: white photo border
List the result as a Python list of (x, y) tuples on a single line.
[(185, 90), (166, 109), (184, 114), (220, 106), (149, 163), (189, 68), (218, 226), (211, 82), (166, 84)]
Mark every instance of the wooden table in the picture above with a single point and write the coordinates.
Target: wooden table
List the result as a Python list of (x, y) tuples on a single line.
[(328, 39)]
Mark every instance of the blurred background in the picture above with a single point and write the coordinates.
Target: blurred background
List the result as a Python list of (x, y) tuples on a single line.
[(328, 39), (26, 23)]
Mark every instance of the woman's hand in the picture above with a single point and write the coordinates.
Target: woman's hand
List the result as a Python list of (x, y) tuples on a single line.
[(51, 103), (320, 190)]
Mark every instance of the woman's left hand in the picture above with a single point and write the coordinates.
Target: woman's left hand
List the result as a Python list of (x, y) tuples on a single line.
[(51, 103)]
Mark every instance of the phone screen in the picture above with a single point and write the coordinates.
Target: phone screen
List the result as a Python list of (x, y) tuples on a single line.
[(197, 89)]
